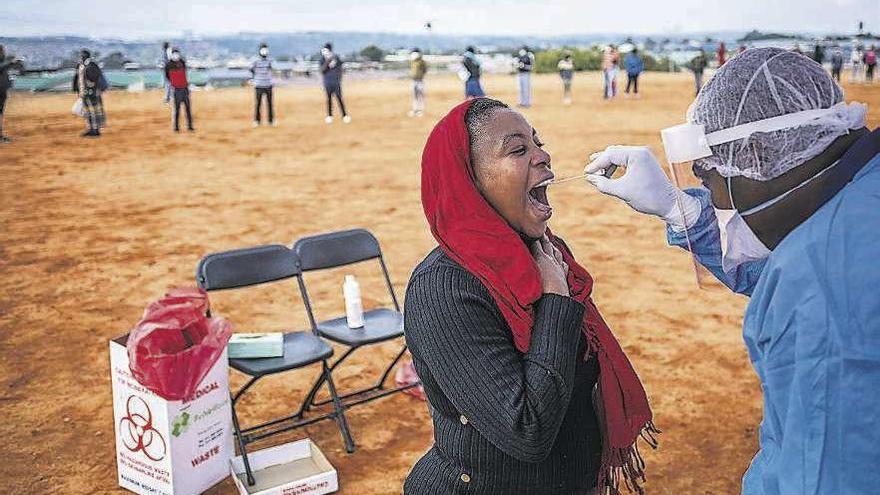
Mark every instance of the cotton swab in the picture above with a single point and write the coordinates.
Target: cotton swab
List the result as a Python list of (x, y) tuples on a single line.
[(608, 172), (567, 179)]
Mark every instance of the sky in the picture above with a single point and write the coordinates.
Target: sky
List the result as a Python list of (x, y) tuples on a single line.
[(132, 19)]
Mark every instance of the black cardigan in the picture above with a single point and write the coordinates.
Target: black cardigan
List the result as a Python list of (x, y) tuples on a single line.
[(504, 422)]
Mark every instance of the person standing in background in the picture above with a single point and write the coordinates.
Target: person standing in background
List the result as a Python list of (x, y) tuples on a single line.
[(524, 63), (88, 83), (5, 85), (472, 88), (870, 60), (819, 53), (417, 70), (566, 72), (697, 66), (261, 70), (331, 70), (166, 56), (175, 71), (608, 64), (634, 66), (722, 54), (855, 59), (836, 62), (615, 69)]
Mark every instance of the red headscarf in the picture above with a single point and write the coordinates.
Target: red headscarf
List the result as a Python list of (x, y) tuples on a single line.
[(473, 234)]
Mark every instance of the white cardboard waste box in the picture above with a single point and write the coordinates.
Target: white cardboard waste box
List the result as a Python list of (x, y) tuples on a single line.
[(295, 468), (170, 447)]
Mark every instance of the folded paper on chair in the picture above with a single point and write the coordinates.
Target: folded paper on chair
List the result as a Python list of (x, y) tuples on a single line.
[(256, 345), (175, 344)]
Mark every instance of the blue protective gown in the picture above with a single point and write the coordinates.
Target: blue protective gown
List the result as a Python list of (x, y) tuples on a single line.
[(812, 328)]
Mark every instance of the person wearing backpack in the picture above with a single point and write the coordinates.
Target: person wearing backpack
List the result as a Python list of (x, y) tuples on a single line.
[(417, 69), (88, 83), (870, 60)]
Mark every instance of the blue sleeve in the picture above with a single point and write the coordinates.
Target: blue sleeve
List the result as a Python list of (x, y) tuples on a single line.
[(705, 244)]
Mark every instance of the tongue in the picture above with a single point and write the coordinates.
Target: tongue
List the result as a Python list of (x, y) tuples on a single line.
[(539, 194)]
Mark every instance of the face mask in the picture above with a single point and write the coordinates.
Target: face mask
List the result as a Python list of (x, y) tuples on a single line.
[(264, 52), (326, 53), (739, 244), (522, 53), (175, 56), (415, 56)]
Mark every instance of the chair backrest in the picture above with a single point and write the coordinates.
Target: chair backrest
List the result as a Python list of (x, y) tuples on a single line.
[(245, 267), (336, 249)]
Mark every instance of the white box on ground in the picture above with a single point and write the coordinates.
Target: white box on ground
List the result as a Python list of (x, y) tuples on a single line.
[(295, 468), (170, 447)]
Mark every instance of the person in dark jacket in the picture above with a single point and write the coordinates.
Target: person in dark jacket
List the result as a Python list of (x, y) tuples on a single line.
[(5, 85), (472, 88), (503, 333), (166, 56), (836, 62), (175, 71), (819, 53), (88, 84), (634, 66), (525, 60), (331, 71), (697, 65)]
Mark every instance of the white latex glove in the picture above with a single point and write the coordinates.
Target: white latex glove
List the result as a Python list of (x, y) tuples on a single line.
[(644, 186)]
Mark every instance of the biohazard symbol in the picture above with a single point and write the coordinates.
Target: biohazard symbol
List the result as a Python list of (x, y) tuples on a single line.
[(137, 432)]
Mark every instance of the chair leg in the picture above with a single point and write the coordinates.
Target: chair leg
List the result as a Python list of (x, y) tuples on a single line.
[(381, 384), (241, 446), (340, 411), (310, 397)]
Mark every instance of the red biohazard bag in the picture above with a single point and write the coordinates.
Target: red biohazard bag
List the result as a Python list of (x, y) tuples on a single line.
[(175, 344), (406, 375)]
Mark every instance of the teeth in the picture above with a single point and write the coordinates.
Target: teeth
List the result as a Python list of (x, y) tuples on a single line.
[(544, 183)]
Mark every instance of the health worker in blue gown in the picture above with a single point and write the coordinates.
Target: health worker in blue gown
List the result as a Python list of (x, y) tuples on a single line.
[(790, 216)]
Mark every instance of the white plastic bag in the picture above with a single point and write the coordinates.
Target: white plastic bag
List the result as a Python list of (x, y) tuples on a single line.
[(77, 109)]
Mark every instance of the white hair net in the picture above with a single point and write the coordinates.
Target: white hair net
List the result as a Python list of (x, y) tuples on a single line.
[(762, 83)]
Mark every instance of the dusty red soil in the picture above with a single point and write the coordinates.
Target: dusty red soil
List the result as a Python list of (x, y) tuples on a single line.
[(93, 230)]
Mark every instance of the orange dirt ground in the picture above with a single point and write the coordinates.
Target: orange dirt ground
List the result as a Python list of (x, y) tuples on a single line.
[(94, 230)]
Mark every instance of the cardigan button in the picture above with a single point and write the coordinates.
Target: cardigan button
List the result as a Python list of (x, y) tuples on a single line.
[(465, 478), (463, 419)]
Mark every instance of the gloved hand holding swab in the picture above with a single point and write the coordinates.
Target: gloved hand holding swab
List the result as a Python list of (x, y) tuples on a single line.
[(644, 186), (608, 173)]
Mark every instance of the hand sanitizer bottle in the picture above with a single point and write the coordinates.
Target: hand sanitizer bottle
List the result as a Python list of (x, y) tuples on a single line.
[(354, 309)]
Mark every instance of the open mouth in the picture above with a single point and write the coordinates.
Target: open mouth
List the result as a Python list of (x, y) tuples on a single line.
[(538, 198)]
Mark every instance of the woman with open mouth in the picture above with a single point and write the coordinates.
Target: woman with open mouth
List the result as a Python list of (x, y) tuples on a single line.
[(530, 393)]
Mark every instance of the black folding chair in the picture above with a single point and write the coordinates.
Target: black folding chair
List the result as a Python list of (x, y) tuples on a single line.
[(255, 266), (337, 249)]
